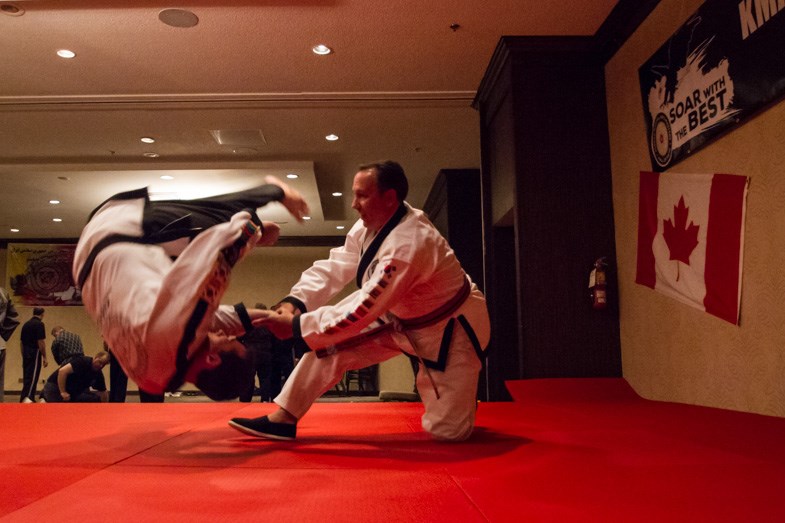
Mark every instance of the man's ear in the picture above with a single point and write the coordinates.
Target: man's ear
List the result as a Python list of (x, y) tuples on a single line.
[(390, 198)]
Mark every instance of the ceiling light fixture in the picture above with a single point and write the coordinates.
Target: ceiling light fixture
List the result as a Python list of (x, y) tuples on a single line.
[(167, 177), (337, 194), (292, 176), (13, 229), (54, 202), (321, 50), (151, 155), (58, 220), (147, 139), (331, 137), (340, 227), (66, 53), (306, 218), (178, 18), (11, 10)]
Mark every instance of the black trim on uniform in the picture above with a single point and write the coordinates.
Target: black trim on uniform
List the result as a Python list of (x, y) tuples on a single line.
[(297, 331), (444, 348), (441, 363), (472, 336), (127, 195), (297, 303), (245, 319), (100, 246), (189, 333), (373, 248)]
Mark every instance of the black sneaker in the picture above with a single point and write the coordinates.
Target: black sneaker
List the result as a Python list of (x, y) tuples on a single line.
[(264, 428)]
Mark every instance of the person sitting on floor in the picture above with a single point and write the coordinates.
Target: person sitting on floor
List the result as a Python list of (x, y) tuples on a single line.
[(74, 380)]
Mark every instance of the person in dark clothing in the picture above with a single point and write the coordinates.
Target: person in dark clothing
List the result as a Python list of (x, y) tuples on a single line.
[(9, 321), (118, 383), (118, 380), (33, 354), (66, 345), (259, 343), (72, 381)]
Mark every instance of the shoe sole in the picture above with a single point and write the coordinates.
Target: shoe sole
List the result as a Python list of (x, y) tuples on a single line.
[(258, 434)]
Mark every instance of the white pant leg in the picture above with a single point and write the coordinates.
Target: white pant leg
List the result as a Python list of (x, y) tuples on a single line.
[(451, 417), (314, 376)]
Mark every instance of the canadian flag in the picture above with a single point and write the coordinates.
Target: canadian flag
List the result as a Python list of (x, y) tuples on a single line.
[(691, 239)]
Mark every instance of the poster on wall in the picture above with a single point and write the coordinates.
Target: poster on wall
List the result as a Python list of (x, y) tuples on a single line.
[(691, 239), (40, 274), (724, 64)]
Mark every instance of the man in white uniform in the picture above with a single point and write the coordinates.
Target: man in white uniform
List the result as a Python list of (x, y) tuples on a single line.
[(152, 274), (9, 321), (413, 297)]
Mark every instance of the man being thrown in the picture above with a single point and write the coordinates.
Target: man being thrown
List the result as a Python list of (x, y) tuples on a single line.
[(152, 274), (413, 297)]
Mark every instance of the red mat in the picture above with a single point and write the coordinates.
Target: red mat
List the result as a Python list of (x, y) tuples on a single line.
[(565, 450)]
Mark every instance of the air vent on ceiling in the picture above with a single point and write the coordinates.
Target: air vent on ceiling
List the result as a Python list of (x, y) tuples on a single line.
[(239, 137)]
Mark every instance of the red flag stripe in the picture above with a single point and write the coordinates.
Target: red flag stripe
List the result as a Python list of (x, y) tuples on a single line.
[(723, 246), (647, 228)]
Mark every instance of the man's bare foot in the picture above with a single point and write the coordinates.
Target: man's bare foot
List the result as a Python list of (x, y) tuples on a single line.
[(292, 199)]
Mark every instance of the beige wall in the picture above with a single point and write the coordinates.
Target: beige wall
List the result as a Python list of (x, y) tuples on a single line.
[(670, 351), (265, 276)]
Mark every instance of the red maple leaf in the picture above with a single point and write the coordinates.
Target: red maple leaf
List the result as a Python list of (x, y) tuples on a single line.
[(681, 238)]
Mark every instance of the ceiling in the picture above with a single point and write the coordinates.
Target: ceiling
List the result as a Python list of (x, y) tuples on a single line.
[(399, 85)]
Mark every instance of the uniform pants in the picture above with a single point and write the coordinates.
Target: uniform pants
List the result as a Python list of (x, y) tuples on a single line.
[(451, 417), (31, 370), (51, 394)]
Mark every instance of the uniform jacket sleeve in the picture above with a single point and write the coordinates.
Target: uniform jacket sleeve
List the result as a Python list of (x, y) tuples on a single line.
[(326, 278)]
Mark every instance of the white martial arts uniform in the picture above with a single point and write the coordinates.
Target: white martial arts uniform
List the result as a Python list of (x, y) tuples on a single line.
[(413, 272), (145, 304)]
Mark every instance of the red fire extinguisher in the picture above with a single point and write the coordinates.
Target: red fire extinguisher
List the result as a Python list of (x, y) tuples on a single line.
[(598, 284)]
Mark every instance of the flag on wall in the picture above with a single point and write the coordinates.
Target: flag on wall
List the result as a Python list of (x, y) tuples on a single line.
[(691, 239)]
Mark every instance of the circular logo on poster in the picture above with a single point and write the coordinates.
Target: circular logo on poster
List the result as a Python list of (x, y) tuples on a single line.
[(661, 140)]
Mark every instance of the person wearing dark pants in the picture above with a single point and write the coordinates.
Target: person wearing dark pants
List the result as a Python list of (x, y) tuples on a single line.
[(33, 354), (73, 381), (118, 380), (259, 343)]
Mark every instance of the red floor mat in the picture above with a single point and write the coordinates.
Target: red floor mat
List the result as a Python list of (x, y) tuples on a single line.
[(566, 450)]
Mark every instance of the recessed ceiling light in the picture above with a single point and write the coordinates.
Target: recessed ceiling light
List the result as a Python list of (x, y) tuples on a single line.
[(151, 155), (11, 10), (306, 218), (57, 219), (321, 49), (340, 227), (65, 53), (331, 137), (292, 176), (178, 18), (147, 139), (167, 177), (14, 229), (337, 194), (54, 202)]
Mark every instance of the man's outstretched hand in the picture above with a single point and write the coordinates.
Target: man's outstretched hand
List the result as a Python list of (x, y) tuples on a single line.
[(278, 322)]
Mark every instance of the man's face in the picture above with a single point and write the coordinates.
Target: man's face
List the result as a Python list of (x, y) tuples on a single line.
[(100, 362), (374, 208)]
